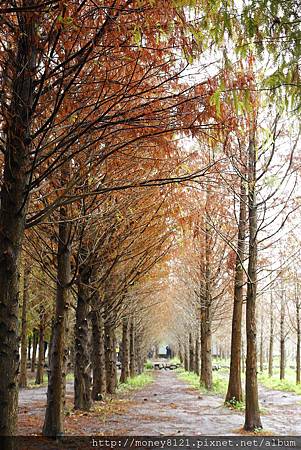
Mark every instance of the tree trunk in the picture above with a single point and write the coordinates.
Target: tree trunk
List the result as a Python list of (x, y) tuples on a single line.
[(23, 370), (110, 358), (82, 375), (282, 338), (35, 339), (206, 316), (298, 356), (54, 417), (50, 343), (252, 414), (180, 352), (197, 355), (206, 344), (14, 195), (138, 356), (132, 350), (186, 358), (234, 386), (261, 354), (243, 358), (29, 348), (271, 342), (98, 355), (125, 352), (191, 354), (40, 368)]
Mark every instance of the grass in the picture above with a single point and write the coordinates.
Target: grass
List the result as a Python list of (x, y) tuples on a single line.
[(32, 385), (136, 382), (219, 384), (148, 365), (288, 384)]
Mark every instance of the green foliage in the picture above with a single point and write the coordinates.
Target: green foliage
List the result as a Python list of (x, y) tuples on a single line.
[(190, 378), (234, 404), (148, 365), (219, 385), (220, 382), (175, 360), (136, 382), (270, 26), (274, 382)]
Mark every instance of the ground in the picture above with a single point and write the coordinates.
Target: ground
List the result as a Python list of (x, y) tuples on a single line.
[(168, 406)]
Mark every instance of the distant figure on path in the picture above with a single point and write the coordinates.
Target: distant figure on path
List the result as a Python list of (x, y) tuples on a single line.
[(168, 352)]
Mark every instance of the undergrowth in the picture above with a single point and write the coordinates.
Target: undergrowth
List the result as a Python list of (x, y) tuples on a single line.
[(136, 382)]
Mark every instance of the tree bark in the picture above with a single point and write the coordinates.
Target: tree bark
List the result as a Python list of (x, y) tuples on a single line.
[(191, 354), (110, 358), (252, 414), (40, 367), (282, 338), (206, 344), (298, 355), (180, 350), (82, 373), (23, 370), (29, 348), (206, 315), (14, 196), (197, 355), (54, 417), (138, 356), (261, 353), (35, 339), (125, 352), (235, 386), (98, 355), (271, 341), (132, 350), (186, 358)]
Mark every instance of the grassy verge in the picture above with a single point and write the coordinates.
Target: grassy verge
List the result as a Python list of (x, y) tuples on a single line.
[(219, 384), (32, 385), (136, 382), (288, 385)]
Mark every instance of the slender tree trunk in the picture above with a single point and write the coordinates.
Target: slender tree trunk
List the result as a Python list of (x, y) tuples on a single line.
[(180, 347), (132, 349), (98, 354), (197, 355), (138, 356), (23, 370), (186, 358), (252, 414), (40, 367), (191, 354), (50, 343), (271, 342), (110, 358), (261, 354), (282, 338), (14, 195), (298, 355), (29, 348), (125, 352), (206, 315), (54, 417), (82, 372), (243, 358), (34, 349), (234, 386), (206, 344)]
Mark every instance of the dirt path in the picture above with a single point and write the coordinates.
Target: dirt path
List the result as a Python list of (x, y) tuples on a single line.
[(165, 407)]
